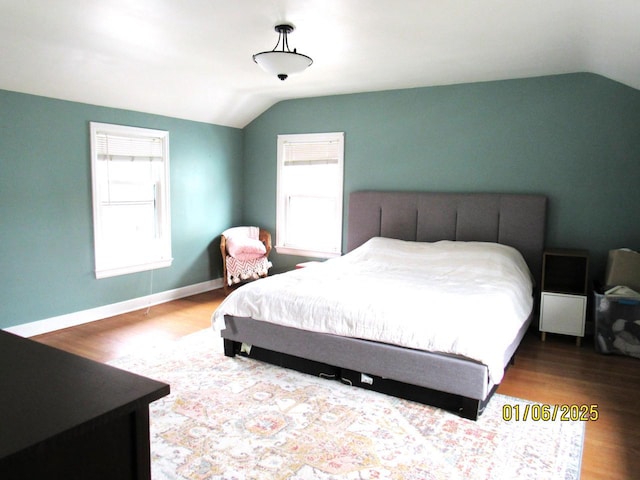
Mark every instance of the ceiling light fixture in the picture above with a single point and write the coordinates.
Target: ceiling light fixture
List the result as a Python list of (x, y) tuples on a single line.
[(282, 62)]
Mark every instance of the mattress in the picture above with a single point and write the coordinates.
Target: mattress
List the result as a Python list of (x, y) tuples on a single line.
[(468, 299)]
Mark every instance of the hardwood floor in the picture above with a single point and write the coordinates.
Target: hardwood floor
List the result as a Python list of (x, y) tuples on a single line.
[(559, 372), (553, 372), (118, 336)]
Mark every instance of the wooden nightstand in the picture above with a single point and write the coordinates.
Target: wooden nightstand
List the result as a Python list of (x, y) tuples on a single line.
[(563, 302)]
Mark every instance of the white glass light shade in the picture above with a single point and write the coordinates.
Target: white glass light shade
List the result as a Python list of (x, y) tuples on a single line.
[(282, 63)]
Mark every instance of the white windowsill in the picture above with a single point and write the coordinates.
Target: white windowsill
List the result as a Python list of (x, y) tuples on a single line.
[(112, 272), (306, 253)]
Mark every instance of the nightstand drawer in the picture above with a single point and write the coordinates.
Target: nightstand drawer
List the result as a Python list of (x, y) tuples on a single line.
[(562, 313)]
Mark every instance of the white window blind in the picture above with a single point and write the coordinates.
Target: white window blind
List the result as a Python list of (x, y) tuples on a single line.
[(312, 153), (310, 177), (130, 170), (116, 147)]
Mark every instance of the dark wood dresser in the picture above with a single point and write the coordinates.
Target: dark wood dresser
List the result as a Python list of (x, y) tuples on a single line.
[(66, 417)]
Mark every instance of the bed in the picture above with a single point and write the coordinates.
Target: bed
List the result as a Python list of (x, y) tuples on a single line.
[(415, 356)]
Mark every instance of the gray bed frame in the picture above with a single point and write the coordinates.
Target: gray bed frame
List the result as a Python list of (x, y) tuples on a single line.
[(455, 383)]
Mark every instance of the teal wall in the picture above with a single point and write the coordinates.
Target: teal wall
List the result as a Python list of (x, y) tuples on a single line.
[(574, 138), (46, 227)]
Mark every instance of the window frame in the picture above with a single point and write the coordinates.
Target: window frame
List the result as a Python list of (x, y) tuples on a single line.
[(106, 265), (282, 246)]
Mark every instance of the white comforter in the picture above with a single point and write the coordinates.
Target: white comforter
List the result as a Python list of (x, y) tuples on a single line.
[(463, 298)]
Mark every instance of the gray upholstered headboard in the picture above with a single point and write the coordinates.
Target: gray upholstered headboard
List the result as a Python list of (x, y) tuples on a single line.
[(510, 219)]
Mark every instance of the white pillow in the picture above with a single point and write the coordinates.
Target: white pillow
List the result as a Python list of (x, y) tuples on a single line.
[(245, 248)]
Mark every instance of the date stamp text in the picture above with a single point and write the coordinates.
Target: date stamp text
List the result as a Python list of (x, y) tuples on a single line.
[(540, 412)]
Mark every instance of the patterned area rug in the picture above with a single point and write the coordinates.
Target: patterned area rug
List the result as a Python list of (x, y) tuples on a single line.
[(243, 419)]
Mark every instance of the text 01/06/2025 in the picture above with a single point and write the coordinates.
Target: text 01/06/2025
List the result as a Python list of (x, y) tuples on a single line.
[(540, 412)]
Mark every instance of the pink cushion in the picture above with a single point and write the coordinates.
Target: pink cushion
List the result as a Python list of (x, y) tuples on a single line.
[(245, 248)]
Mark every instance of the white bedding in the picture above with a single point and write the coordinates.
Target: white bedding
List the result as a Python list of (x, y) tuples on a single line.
[(463, 298)]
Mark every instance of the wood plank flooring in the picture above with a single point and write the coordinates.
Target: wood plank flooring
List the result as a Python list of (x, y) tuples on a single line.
[(118, 336), (553, 372)]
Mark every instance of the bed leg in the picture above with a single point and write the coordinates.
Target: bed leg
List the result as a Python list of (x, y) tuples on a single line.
[(471, 409), (229, 348)]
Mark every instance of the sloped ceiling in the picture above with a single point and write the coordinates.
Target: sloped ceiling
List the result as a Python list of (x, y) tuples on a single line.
[(192, 59)]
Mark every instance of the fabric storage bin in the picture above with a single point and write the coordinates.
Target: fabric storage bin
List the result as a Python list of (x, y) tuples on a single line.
[(623, 268), (617, 325)]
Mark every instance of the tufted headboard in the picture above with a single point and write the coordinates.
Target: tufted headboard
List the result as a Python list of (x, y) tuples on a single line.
[(510, 219)]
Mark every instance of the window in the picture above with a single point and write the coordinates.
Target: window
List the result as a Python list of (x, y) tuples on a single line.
[(131, 218), (309, 210)]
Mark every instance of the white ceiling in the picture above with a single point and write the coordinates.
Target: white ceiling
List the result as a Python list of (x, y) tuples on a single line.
[(192, 58)]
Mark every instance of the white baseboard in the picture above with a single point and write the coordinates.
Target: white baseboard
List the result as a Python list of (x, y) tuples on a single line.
[(85, 316)]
